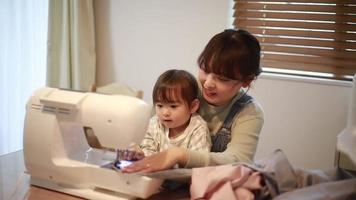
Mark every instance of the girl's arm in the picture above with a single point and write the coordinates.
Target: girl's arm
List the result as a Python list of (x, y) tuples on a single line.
[(150, 143), (199, 139)]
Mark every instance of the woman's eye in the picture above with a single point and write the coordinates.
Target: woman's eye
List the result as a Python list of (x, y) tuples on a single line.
[(204, 71), (220, 78)]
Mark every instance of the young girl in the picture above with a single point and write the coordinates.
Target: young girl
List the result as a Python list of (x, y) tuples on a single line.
[(229, 63), (176, 123)]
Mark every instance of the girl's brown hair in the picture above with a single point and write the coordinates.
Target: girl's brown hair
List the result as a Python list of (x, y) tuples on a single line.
[(174, 85), (234, 54)]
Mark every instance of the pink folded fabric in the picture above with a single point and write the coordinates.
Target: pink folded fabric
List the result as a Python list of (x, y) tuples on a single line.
[(224, 182)]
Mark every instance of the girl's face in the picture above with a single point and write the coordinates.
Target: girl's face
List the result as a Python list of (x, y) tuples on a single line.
[(175, 115), (218, 90)]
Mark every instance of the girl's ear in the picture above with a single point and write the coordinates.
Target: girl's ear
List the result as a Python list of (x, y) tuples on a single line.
[(194, 106)]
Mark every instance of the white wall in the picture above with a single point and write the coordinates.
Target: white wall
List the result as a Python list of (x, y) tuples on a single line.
[(302, 117), (138, 40)]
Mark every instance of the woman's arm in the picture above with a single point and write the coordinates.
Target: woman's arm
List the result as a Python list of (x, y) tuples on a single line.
[(160, 161), (244, 138)]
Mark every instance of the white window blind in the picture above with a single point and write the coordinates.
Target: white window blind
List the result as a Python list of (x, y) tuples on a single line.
[(307, 35)]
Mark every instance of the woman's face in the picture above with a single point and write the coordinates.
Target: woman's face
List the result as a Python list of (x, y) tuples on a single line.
[(218, 90)]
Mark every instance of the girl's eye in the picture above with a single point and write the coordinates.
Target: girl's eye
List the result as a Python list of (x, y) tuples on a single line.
[(159, 105), (174, 106)]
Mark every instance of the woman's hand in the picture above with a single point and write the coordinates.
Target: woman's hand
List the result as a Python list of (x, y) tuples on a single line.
[(160, 161)]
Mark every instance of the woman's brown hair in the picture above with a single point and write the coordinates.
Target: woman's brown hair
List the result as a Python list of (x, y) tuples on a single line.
[(234, 54)]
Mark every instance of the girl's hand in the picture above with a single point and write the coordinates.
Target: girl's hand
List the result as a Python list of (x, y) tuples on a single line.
[(133, 153), (160, 161), (126, 154)]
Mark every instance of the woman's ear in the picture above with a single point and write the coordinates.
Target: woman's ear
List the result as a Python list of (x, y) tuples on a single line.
[(194, 106), (247, 82)]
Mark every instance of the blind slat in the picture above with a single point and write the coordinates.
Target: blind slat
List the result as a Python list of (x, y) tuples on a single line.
[(302, 33), (339, 8), (339, 63), (309, 51), (296, 16), (309, 1), (307, 67), (307, 43), (295, 25)]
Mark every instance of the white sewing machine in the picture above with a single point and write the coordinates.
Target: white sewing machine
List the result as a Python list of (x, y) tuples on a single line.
[(58, 156)]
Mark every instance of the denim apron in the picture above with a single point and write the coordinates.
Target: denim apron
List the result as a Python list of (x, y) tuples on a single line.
[(223, 136)]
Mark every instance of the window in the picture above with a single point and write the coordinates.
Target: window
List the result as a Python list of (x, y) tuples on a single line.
[(303, 35), (22, 64)]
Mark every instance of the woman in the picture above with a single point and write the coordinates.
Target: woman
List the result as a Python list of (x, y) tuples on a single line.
[(229, 63)]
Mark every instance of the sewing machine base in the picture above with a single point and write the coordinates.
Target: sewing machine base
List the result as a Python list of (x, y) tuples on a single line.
[(87, 193)]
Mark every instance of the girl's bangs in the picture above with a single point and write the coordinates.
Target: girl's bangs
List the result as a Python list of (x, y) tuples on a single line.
[(167, 94)]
